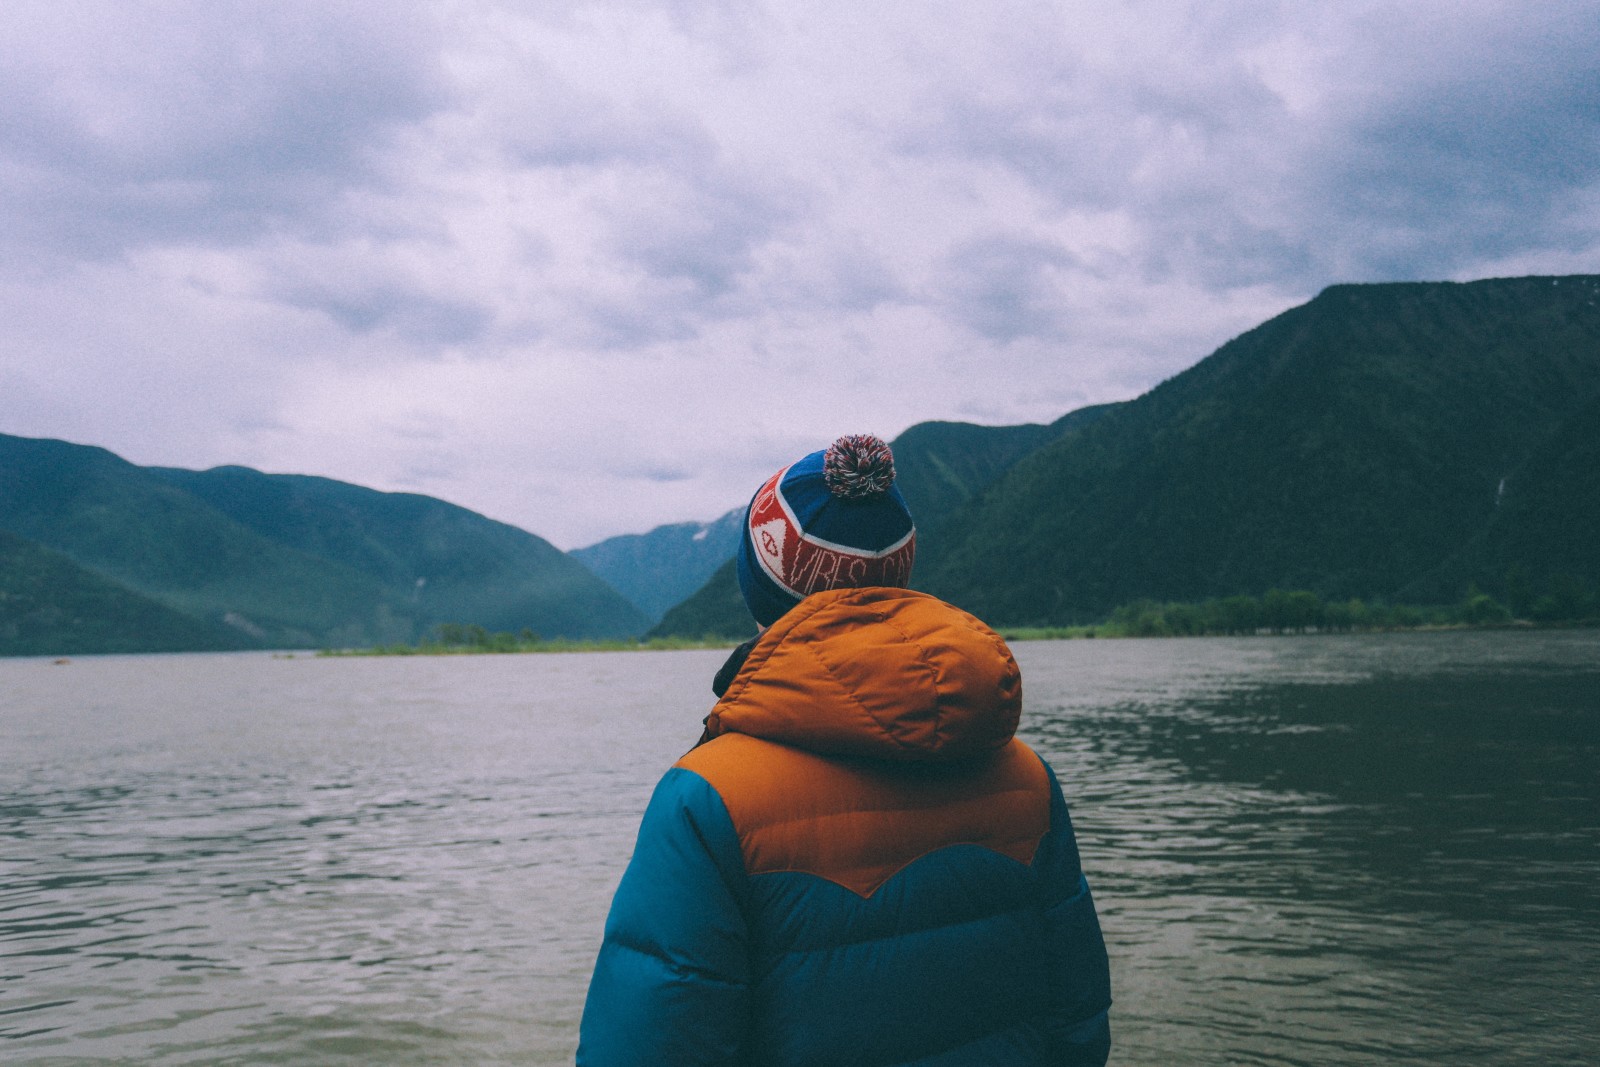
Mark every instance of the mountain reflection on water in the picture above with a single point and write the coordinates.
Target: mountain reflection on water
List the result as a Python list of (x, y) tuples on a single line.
[(1309, 850)]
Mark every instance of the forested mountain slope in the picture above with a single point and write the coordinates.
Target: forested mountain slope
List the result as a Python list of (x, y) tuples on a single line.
[(131, 526), (441, 562), (1350, 446), (51, 606), (1540, 550), (293, 562)]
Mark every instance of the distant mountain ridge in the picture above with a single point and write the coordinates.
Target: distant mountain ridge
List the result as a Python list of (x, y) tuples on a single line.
[(291, 561), (659, 568)]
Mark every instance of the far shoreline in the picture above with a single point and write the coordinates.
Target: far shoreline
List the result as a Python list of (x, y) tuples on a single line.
[(1011, 634)]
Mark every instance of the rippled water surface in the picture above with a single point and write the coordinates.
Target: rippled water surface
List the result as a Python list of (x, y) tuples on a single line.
[(1315, 850)]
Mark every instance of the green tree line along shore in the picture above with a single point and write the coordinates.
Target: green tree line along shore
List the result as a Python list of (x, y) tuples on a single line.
[(1570, 602), (457, 639), (1301, 611)]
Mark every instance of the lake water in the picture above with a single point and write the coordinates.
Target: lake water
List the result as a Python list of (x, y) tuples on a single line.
[(1314, 850)]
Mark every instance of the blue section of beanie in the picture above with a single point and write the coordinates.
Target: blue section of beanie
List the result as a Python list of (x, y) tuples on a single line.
[(869, 525)]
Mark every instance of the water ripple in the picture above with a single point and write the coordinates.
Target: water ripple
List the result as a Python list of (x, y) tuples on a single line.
[(1304, 851)]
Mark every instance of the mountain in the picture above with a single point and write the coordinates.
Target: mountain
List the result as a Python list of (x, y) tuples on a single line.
[(294, 562), (656, 570), (129, 525), (51, 606), (1378, 441), (939, 466), (715, 610), (440, 562)]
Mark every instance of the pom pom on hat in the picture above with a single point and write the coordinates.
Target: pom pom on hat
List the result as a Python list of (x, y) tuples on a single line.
[(858, 467), (833, 519)]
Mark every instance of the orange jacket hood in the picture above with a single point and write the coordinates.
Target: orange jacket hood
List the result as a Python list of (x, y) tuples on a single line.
[(882, 673)]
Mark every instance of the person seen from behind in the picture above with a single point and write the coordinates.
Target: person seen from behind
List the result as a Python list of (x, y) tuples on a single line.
[(859, 863)]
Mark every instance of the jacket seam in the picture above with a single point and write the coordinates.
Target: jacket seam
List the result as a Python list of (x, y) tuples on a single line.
[(869, 894), (903, 932)]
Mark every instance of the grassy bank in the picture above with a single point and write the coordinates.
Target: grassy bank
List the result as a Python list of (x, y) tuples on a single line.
[(1278, 612), (453, 639), (1300, 611)]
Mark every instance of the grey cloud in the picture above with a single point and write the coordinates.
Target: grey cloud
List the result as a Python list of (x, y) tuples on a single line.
[(1222, 249), (1418, 173), (420, 425), (196, 121), (656, 473), (1007, 287), (849, 276), (556, 124), (1049, 140), (702, 229), (1481, 163), (1189, 155), (684, 243), (255, 422), (1427, 151), (1092, 138), (425, 477), (412, 311), (630, 321)]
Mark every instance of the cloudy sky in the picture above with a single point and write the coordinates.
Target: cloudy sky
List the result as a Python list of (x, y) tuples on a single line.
[(588, 267)]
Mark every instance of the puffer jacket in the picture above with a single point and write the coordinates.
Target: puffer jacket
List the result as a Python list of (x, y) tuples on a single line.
[(861, 866)]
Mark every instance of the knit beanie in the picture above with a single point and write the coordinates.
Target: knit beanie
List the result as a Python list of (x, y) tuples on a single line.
[(831, 520)]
